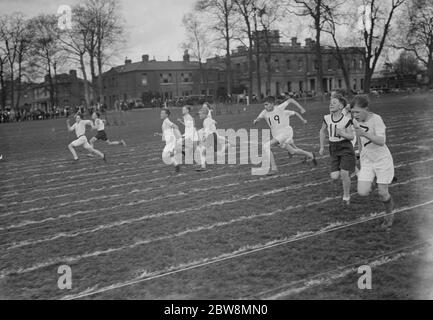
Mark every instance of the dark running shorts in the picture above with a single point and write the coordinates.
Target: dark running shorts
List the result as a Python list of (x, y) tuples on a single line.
[(342, 156), (101, 135)]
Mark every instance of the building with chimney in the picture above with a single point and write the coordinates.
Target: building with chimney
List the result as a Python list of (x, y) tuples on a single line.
[(166, 80), (68, 88), (292, 67)]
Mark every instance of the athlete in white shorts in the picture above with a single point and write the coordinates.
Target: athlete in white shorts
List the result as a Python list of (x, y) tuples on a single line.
[(190, 137), (279, 122), (80, 130), (172, 137), (376, 159), (208, 137)]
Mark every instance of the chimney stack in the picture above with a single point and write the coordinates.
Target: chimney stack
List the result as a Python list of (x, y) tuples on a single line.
[(294, 42), (308, 42), (145, 58), (186, 56), (128, 61), (73, 73)]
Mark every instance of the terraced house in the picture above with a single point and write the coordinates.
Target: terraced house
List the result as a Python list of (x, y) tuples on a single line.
[(159, 79)]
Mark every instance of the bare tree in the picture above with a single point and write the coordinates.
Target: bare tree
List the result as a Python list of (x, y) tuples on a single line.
[(46, 49), (269, 14), (246, 9), (224, 23), (376, 25), (415, 33), (197, 41), (75, 42), (105, 33), (335, 17), (315, 10), (16, 36)]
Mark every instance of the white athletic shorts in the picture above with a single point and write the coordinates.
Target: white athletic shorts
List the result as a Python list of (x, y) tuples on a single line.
[(382, 170), (172, 146), (81, 141), (285, 137)]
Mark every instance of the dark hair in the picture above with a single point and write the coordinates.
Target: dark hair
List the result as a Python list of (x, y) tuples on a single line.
[(79, 114), (188, 107), (167, 112), (98, 114), (270, 99), (361, 101), (340, 98), (207, 104)]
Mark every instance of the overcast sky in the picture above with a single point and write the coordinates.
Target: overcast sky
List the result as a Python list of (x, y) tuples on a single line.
[(153, 27)]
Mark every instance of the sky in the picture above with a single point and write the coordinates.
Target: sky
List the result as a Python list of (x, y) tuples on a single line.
[(153, 27)]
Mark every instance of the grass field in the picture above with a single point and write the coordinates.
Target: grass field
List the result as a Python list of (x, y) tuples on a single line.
[(134, 229)]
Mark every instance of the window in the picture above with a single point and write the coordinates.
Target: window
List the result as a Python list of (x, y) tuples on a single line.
[(340, 82), (362, 84), (355, 87), (300, 65), (186, 77), (316, 65), (329, 64), (238, 67), (288, 65), (361, 64), (166, 78), (277, 65), (289, 86), (144, 79), (354, 64)]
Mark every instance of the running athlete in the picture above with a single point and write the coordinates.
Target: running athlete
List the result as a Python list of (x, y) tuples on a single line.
[(340, 132), (282, 133), (80, 130), (171, 136), (190, 137), (99, 125), (376, 159)]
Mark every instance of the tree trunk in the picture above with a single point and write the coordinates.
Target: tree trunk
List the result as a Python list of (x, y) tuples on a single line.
[(4, 89), (86, 83), (318, 49), (12, 88), (20, 69), (51, 85), (93, 73), (259, 78), (100, 85), (250, 69), (430, 70), (367, 80), (228, 57)]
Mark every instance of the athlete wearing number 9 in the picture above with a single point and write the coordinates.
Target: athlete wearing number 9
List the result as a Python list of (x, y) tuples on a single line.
[(278, 120)]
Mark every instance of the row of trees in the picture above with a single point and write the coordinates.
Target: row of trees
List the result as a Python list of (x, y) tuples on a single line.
[(30, 48), (217, 26)]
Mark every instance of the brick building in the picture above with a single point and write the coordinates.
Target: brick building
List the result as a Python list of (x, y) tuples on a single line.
[(294, 67), (69, 92), (165, 79)]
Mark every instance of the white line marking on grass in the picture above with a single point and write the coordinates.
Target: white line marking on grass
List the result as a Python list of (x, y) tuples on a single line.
[(327, 278), (142, 218), (247, 250)]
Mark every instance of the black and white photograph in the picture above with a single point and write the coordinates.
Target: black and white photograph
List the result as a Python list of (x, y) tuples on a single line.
[(239, 152)]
